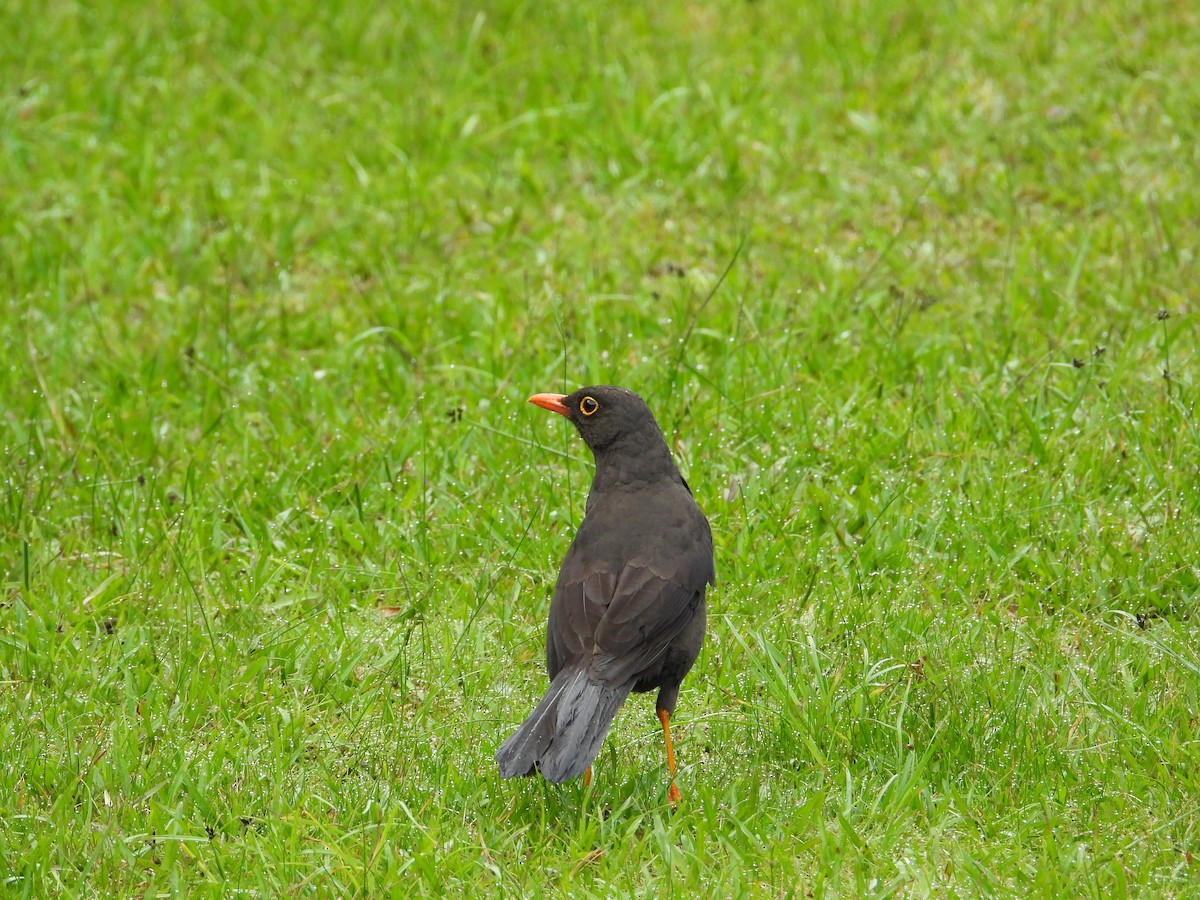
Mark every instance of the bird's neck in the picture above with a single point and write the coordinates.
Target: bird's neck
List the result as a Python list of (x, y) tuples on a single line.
[(625, 468)]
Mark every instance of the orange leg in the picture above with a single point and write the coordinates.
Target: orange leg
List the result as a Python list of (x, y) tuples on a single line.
[(673, 792), (587, 776)]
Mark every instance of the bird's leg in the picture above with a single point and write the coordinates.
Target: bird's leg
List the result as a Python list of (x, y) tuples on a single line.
[(587, 776), (673, 794)]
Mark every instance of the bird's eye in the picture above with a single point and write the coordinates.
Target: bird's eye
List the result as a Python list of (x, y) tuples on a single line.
[(588, 405)]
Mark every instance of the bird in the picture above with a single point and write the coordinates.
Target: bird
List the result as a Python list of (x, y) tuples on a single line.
[(628, 609)]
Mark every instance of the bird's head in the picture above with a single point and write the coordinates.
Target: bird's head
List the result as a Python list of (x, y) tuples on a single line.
[(607, 418)]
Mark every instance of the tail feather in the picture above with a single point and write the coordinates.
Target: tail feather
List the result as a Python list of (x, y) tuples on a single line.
[(563, 734)]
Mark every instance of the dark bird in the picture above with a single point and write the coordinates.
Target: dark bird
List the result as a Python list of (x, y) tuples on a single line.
[(628, 609)]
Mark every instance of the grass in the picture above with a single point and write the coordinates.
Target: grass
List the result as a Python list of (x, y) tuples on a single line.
[(278, 529)]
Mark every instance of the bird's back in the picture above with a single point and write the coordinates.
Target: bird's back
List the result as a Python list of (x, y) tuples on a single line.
[(631, 582)]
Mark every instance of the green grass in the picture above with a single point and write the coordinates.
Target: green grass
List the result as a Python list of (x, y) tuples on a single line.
[(278, 529)]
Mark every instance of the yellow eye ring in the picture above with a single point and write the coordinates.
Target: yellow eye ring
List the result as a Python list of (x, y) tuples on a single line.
[(588, 406)]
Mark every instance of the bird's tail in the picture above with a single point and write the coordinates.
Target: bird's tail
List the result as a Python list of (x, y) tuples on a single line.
[(564, 732)]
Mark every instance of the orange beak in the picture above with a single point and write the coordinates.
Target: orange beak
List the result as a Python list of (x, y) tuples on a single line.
[(552, 402)]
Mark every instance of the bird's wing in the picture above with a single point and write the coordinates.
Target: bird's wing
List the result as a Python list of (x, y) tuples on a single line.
[(648, 611), (625, 590), (620, 624), (580, 599)]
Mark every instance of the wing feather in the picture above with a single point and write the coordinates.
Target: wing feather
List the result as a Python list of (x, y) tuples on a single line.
[(619, 611)]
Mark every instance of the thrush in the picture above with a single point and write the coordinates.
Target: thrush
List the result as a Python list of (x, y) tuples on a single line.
[(627, 613)]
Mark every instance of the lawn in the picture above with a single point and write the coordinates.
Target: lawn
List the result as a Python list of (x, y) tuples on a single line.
[(911, 288)]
